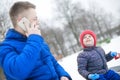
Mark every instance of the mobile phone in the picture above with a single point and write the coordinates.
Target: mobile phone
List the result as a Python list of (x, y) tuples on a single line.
[(22, 23)]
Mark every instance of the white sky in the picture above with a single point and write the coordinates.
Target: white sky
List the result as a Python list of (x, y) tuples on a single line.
[(45, 10), (109, 5)]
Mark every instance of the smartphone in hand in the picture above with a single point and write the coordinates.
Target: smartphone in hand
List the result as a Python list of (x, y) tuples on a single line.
[(22, 23)]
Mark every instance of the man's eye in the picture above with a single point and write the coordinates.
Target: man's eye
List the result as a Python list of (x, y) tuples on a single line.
[(35, 19)]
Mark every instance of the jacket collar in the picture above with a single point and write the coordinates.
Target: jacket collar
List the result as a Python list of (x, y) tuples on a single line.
[(89, 48), (13, 34)]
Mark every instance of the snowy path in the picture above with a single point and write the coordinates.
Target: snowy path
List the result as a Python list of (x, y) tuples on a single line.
[(70, 62)]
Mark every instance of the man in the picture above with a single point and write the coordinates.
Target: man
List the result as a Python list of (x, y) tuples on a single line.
[(24, 55)]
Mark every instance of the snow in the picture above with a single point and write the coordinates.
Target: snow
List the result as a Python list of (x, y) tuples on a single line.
[(69, 63)]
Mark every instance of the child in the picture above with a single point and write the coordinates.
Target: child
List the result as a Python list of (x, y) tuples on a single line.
[(92, 62)]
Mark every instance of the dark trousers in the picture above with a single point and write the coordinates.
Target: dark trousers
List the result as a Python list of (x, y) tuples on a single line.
[(110, 75)]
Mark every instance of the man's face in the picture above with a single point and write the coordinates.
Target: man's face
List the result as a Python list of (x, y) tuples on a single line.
[(88, 40), (32, 16)]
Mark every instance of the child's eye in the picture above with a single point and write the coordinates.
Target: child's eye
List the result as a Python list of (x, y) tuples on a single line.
[(89, 36), (84, 37)]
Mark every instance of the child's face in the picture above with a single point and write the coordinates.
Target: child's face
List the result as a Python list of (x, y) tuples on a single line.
[(88, 40)]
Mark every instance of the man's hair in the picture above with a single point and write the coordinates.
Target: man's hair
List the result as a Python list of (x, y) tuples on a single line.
[(18, 8)]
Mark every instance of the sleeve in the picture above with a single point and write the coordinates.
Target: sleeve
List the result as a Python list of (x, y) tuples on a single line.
[(59, 69), (82, 65), (108, 56), (19, 65)]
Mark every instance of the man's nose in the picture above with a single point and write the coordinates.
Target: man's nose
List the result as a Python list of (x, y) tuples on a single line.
[(37, 22)]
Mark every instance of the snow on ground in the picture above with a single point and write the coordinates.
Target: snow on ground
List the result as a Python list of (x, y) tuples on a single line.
[(69, 63)]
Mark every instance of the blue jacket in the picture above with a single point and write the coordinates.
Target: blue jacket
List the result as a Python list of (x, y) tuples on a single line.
[(93, 60), (29, 58)]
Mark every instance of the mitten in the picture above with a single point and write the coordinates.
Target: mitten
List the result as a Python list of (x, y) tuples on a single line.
[(93, 76), (117, 56), (113, 54)]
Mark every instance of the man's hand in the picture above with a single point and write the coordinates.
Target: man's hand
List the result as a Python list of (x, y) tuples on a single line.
[(64, 78), (32, 29), (93, 76)]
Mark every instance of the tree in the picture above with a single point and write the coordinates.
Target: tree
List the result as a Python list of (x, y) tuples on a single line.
[(54, 37), (68, 12), (74, 17), (101, 20), (4, 17)]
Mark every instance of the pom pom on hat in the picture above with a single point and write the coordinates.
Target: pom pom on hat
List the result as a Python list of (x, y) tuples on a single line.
[(87, 32)]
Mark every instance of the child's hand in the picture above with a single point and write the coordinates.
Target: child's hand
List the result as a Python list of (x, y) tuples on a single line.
[(113, 54), (64, 78), (93, 76), (117, 56)]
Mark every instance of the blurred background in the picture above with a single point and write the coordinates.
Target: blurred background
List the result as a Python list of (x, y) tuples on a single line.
[(62, 21)]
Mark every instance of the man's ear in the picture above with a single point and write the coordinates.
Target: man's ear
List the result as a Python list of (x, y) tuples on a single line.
[(19, 18)]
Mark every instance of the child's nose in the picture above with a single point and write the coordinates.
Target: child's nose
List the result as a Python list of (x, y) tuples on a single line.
[(87, 37)]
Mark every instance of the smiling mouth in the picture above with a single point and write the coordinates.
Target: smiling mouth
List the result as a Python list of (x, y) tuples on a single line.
[(88, 40)]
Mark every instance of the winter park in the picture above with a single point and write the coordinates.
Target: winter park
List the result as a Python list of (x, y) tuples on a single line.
[(38, 35)]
